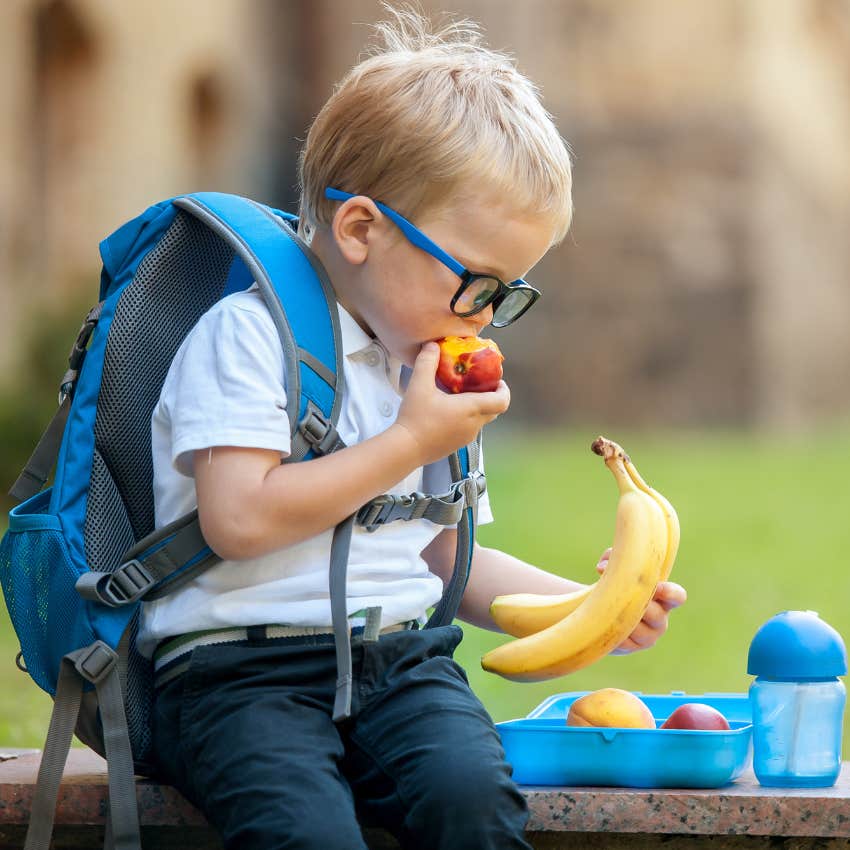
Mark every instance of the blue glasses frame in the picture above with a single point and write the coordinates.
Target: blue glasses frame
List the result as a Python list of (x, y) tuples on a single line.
[(509, 300)]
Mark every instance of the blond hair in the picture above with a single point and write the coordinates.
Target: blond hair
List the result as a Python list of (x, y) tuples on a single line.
[(430, 113)]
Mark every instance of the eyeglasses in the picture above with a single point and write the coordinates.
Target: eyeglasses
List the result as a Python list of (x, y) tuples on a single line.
[(476, 291)]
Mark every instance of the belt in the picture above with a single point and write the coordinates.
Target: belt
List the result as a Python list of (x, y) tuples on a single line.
[(171, 657)]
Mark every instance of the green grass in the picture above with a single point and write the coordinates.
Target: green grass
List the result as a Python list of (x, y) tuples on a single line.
[(764, 528)]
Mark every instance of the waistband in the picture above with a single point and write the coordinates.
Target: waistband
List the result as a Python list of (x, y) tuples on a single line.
[(171, 657)]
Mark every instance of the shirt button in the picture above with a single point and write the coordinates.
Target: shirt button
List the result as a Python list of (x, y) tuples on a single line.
[(386, 408), (373, 358)]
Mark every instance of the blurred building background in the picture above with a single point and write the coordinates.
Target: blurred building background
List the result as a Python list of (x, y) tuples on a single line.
[(706, 281)]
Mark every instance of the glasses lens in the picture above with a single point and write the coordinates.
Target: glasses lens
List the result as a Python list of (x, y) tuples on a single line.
[(513, 305), (476, 295)]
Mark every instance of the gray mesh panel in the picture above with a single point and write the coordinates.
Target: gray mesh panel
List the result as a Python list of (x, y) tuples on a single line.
[(174, 285), (136, 674), (105, 510), (103, 553), (181, 278)]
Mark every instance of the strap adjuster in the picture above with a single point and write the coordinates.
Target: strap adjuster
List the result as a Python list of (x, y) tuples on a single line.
[(127, 583), (472, 486), (318, 431), (314, 427), (97, 663), (389, 507), (369, 515), (78, 352), (445, 509)]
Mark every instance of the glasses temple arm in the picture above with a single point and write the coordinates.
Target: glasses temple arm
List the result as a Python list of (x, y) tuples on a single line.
[(411, 232)]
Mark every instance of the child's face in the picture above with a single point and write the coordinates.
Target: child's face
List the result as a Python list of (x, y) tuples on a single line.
[(405, 294)]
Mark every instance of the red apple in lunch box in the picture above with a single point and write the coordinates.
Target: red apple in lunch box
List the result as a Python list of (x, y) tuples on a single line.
[(696, 715), (469, 364)]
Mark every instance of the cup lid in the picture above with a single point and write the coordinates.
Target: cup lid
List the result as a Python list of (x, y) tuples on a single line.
[(797, 645)]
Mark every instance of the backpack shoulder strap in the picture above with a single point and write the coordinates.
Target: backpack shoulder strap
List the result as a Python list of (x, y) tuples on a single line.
[(299, 296), (37, 470), (301, 301), (464, 467)]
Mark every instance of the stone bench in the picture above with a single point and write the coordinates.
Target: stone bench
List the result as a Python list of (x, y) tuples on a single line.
[(740, 815)]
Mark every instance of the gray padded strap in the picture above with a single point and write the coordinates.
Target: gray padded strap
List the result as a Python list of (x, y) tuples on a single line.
[(147, 564), (317, 366), (339, 617), (446, 509), (96, 664), (66, 708), (184, 542), (123, 808), (187, 575), (474, 451), (449, 604), (37, 470)]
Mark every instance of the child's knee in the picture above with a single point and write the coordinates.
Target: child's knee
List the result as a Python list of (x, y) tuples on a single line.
[(471, 808), (473, 795)]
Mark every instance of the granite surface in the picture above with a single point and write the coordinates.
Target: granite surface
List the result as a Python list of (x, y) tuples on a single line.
[(743, 808)]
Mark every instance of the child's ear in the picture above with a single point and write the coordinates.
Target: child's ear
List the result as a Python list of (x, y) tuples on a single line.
[(353, 227)]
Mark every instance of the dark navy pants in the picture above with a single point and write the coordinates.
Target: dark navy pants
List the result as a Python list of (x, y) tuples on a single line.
[(247, 735)]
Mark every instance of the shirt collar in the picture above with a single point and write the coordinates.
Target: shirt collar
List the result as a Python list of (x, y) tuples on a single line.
[(357, 345), (354, 338)]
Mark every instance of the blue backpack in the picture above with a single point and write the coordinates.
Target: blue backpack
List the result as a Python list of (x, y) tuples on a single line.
[(80, 556)]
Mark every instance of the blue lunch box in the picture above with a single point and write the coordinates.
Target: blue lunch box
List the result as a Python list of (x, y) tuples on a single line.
[(543, 750)]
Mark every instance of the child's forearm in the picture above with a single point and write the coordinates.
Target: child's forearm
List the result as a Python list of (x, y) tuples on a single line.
[(493, 573), (496, 573), (293, 502)]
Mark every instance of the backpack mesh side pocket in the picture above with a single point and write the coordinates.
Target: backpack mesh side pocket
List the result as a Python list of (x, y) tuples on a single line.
[(38, 577)]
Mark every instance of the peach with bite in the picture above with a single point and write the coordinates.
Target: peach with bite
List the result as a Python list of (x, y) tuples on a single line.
[(469, 364)]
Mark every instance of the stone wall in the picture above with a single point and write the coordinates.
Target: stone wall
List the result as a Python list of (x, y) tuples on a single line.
[(705, 280), (108, 107)]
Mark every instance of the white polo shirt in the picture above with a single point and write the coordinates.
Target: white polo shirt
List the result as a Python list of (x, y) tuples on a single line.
[(226, 387)]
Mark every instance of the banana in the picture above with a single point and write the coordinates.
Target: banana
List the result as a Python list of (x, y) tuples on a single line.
[(670, 517), (523, 614), (613, 606)]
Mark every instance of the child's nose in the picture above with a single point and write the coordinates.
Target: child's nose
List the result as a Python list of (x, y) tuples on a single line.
[(484, 317)]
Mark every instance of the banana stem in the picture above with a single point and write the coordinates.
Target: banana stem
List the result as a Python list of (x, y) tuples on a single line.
[(607, 449), (615, 459)]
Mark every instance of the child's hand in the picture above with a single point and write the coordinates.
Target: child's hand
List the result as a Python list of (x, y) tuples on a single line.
[(668, 595), (441, 423)]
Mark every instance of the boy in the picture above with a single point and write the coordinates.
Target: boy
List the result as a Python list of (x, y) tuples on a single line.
[(447, 134)]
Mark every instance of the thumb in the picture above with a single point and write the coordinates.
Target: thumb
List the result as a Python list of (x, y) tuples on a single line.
[(425, 366)]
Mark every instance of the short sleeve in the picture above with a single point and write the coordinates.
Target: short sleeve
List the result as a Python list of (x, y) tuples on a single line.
[(437, 478), (226, 384)]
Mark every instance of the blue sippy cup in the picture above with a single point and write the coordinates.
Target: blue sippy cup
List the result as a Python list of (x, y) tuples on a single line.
[(797, 700)]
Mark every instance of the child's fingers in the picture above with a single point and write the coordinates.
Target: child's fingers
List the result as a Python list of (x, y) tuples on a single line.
[(646, 635), (428, 355), (625, 648), (486, 404), (656, 616), (425, 365), (495, 402), (670, 595)]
